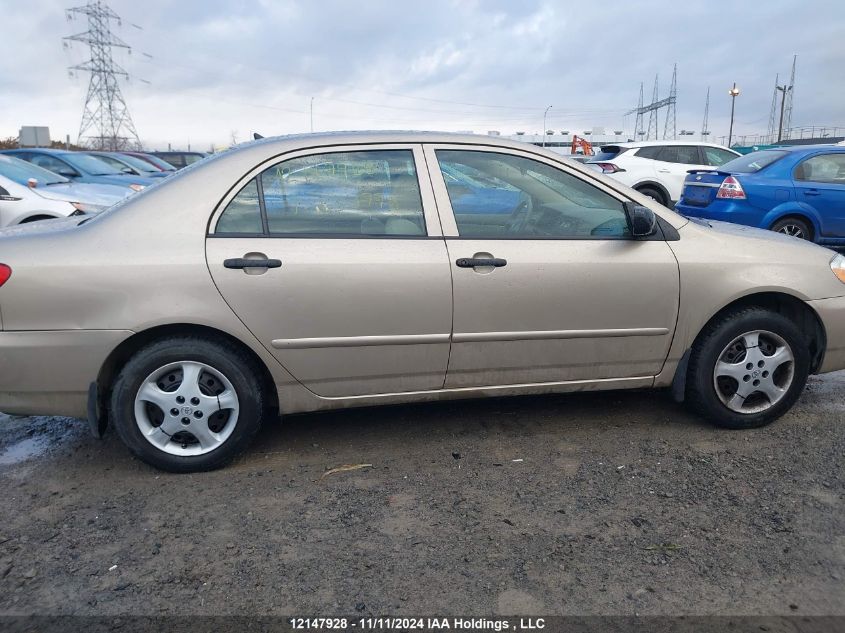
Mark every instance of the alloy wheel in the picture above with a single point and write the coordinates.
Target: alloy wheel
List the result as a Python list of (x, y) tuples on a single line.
[(186, 408), (754, 372)]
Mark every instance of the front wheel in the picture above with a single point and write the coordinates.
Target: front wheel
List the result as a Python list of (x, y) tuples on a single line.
[(187, 404), (747, 369)]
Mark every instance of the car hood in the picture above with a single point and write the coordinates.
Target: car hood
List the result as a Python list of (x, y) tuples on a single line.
[(51, 225), (100, 195)]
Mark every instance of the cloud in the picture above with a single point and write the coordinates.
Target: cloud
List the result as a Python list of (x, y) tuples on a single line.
[(222, 65)]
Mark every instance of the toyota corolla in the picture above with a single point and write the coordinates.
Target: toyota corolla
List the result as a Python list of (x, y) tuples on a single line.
[(327, 271)]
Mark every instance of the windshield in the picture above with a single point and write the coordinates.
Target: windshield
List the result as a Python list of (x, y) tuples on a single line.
[(90, 165), (137, 163), (161, 164), (21, 171), (753, 162)]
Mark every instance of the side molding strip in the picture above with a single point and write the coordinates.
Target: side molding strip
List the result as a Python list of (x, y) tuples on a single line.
[(466, 337)]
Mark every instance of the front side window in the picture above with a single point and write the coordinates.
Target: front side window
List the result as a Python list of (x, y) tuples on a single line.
[(372, 193), (828, 168), (514, 197)]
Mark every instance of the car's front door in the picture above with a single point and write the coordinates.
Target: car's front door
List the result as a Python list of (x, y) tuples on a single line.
[(336, 263), (820, 183), (556, 290)]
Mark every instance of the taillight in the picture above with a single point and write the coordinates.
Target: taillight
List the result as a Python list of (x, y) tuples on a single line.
[(731, 189), (5, 273), (609, 168)]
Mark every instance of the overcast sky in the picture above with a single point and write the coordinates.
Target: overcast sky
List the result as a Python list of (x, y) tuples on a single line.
[(228, 67)]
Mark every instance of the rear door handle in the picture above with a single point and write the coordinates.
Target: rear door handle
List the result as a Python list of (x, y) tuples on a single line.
[(472, 262), (240, 262), (811, 192)]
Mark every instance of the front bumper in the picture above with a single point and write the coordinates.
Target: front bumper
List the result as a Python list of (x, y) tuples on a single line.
[(49, 372), (832, 314)]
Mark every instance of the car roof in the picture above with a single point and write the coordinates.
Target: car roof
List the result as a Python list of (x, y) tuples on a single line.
[(385, 136), (807, 148), (633, 144)]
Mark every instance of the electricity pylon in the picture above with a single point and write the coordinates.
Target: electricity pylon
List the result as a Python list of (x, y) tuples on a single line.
[(106, 123)]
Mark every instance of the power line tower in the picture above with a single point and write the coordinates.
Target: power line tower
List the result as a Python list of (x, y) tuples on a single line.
[(106, 123), (704, 131), (638, 127), (787, 109), (773, 112), (670, 108), (653, 114), (653, 109)]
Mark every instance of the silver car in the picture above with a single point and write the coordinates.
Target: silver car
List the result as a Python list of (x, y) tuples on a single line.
[(327, 271)]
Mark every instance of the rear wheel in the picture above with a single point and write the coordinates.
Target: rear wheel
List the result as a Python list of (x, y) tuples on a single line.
[(654, 194), (794, 227), (187, 404), (747, 369)]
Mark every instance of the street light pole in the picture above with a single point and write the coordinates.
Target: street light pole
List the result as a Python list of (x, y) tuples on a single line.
[(733, 92), (784, 89), (312, 114), (544, 125)]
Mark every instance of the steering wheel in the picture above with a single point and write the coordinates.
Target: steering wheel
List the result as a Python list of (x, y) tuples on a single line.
[(520, 217)]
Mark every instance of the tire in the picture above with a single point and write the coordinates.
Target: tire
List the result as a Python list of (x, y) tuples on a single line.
[(654, 194), (795, 227), (215, 397), (709, 381)]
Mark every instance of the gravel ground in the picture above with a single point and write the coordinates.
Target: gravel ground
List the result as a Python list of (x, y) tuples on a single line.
[(614, 503)]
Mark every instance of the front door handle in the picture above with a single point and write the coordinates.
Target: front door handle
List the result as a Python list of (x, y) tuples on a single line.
[(472, 262), (240, 262), (811, 192)]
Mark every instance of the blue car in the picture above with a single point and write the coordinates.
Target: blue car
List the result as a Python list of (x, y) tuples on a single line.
[(80, 167), (799, 191)]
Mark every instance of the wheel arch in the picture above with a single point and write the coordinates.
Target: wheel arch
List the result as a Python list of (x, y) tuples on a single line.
[(121, 354), (794, 210), (652, 184), (780, 302), (34, 217)]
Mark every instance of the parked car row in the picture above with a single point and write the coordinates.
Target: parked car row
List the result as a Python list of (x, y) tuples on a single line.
[(798, 191), (39, 183)]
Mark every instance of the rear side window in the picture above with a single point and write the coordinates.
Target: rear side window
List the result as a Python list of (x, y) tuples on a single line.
[(344, 193), (679, 154), (753, 162), (828, 168), (649, 152), (243, 213)]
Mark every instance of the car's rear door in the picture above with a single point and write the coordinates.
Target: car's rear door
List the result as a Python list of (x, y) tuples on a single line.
[(673, 163), (334, 259), (556, 290), (820, 183)]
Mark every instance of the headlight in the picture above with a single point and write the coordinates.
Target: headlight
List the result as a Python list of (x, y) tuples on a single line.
[(837, 265), (136, 187)]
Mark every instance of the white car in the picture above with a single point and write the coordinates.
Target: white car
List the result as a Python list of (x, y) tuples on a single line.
[(657, 168), (29, 193)]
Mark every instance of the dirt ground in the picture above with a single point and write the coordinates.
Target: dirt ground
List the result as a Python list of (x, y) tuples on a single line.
[(613, 503)]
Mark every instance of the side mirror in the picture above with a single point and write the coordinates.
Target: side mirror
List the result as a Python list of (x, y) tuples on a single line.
[(641, 220), (128, 170), (32, 183), (68, 173)]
